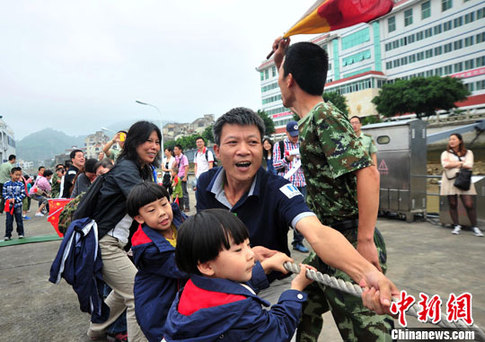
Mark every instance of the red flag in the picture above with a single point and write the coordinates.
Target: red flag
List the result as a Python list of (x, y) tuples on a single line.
[(329, 15), (55, 208)]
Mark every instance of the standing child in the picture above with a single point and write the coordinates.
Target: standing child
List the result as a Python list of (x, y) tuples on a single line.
[(177, 193), (213, 246), (14, 193)]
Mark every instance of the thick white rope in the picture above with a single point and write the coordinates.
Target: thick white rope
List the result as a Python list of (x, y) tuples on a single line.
[(356, 290)]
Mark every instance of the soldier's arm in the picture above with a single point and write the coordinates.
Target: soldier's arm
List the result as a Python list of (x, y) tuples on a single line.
[(334, 249), (368, 202)]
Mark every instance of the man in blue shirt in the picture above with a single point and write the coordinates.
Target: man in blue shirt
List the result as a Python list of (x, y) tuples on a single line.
[(268, 204)]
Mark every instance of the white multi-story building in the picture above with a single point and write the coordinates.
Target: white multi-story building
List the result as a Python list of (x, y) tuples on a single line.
[(94, 144), (417, 38)]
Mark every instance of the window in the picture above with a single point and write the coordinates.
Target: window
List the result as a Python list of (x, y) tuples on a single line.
[(480, 37), (447, 25), (470, 86), (448, 47), (408, 17), (388, 46), (404, 60), (480, 61), (437, 29), (425, 10), (412, 58), (457, 22), (469, 41), (446, 5), (438, 71), (411, 39), (388, 65), (266, 74), (448, 70), (429, 53), (391, 24), (480, 85), (458, 44), (396, 63), (420, 55), (403, 41), (481, 13), (419, 36), (429, 73), (469, 64), (458, 67), (395, 44), (428, 33), (273, 69), (355, 38), (262, 76), (438, 50), (470, 17)]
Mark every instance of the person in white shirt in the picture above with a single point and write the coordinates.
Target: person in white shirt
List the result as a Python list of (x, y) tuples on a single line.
[(203, 159)]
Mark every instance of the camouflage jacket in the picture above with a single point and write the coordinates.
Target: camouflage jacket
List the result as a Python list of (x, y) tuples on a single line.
[(330, 154)]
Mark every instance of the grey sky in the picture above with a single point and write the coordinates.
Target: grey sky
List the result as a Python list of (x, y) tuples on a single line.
[(77, 66)]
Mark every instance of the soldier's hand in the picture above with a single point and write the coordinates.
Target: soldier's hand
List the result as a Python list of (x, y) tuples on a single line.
[(368, 250), (378, 291)]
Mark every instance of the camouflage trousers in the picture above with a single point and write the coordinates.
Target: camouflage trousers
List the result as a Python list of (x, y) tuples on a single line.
[(354, 321)]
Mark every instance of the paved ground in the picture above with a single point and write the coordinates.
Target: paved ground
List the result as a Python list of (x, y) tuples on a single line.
[(422, 257)]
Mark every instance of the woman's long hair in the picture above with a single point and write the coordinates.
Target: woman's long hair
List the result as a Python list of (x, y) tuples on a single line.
[(138, 134), (270, 151), (461, 148)]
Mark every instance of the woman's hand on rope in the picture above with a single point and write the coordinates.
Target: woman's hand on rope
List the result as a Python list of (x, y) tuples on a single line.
[(275, 263)]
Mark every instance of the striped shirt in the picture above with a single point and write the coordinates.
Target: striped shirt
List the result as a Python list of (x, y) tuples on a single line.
[(14, 190), (282, 166)]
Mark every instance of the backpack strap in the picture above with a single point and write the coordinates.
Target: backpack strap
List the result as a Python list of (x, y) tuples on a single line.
[(282, 149)]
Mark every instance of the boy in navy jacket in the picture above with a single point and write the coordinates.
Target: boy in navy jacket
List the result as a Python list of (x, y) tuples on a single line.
[(216, 304), (13, 194), (153, 245)]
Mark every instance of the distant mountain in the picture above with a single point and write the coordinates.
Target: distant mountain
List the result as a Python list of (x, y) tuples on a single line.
[(45, 144)]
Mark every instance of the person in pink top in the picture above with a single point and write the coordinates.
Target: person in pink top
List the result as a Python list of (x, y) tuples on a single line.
[(41, 190), (182, 163)]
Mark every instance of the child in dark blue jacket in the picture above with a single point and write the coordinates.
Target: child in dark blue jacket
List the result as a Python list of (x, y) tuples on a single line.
[(216, 304), (158, 279)]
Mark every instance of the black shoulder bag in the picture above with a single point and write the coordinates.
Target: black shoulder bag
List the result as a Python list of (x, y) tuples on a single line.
[(463, 178)]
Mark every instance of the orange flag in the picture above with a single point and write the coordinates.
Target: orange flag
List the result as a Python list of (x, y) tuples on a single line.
[(329, 15), (55, 208)]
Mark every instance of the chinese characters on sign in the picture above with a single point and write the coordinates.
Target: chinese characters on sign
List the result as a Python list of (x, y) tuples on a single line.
[(457, 307)]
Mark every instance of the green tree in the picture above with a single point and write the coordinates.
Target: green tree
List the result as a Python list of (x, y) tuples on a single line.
[(337, 100), (208, 135), (268, 122), (420, 95)]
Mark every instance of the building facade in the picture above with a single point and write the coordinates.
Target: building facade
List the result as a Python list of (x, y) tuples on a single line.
[(7, 142), (417, 38), (94, 144)]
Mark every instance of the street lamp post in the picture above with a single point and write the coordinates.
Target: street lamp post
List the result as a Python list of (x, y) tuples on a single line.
[(161, 124)]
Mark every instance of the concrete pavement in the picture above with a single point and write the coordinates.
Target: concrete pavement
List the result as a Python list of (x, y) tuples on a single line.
[(422, 257)]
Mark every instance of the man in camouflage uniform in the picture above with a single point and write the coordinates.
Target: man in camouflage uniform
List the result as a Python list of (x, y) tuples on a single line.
[(365, 139), (343, 190)]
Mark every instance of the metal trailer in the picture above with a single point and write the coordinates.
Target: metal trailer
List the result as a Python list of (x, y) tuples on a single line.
[(401, 161)]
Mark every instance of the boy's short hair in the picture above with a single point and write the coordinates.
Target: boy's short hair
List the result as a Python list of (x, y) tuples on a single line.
[(202, 236), (48, 173), (356, 117), (142, 194), (15, 169), (175, 169)]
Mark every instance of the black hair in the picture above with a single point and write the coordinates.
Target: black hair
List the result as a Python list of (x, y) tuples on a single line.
[(48, 173), (461, 147), (169, 149), (105, 162), (73, 153), (142, 194), (90, 165), (308, 63), (356, 117), (237, 116), (200, 137), (122, 131), (202, 236), (12, 157), (138, 133), (14, 169), (179, 147), (41, 167), (270, 151), (59, 165)]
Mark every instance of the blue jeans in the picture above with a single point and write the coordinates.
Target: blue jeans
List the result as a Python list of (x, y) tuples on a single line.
[(297, 237), (17, 213)]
